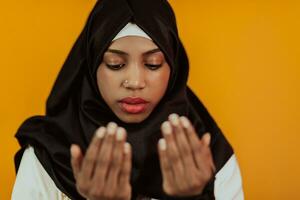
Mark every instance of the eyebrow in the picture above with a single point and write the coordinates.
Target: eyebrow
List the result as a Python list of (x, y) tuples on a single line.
[(126, 54)]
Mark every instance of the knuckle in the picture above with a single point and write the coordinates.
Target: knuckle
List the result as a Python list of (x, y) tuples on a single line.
[(174, 157), (123, 173), (169, 190), (176, 160), (121, 195), (194, 184), (96, 192), (82, 188), (118, 196), (207, 153), (172, 192), (185, 150), (108, 195), (115, 163), (182, 188), (89, 160), (179, 170), (191, 130), (197, 148), (206, 176), (104, 160), (167, 167)]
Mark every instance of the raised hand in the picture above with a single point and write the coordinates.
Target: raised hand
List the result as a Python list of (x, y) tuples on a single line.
[(104, 171), (185, 160)]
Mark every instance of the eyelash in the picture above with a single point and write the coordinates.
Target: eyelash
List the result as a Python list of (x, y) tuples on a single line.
[(153, 67), (117, 67)]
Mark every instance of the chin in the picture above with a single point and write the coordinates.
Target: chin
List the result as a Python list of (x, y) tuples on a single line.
[(133, 118)]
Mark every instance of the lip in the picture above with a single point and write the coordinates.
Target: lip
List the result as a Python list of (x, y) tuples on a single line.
[(133, 100), (133, 105)]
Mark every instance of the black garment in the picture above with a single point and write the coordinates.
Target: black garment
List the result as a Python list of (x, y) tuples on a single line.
[(75, 108)]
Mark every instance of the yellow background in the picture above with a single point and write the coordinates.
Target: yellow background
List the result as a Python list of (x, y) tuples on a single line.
[(244, 58)]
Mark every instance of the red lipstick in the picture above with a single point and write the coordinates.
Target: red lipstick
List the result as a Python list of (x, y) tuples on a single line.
[(133, 105)]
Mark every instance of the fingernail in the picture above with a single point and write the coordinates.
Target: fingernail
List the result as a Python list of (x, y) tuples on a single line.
[(100, 132), (185, 122), (174, 119), (120, 134), (126, 147), (111, 128), (162, 144), (166, 127), (207, 138), (72, 149)]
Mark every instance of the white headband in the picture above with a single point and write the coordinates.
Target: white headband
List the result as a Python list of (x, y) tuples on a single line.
[(131, 29)]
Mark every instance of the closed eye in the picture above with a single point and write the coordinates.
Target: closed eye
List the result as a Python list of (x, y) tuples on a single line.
[(153, 67), (115, 67)]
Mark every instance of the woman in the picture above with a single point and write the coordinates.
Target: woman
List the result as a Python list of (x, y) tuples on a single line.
[(121, 105)]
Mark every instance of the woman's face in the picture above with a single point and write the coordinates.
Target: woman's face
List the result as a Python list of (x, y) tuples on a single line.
[(139, 61)]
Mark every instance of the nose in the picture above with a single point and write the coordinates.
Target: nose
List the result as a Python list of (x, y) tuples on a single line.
[(136, 77)]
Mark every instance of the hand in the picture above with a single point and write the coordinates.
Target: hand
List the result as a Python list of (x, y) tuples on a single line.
[(185, 160), (104, 171)]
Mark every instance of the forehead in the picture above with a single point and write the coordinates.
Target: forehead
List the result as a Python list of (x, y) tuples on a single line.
[(131, 42)]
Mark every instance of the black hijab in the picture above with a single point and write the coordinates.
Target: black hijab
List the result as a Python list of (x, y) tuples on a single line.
[(75, 107)]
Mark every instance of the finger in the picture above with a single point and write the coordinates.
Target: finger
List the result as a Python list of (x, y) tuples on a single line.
[(172, 150), (193, 139), (116, 163), (185, 149), (124, 177), (199, 147), (203, 156), (182, 143), (173, 155), (90, 157), (76, 159), (206, 164), (206, 138), (104, 156), (165, 165)]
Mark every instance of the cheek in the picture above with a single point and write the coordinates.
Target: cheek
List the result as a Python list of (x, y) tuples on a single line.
[(159, 83), (107, 82)]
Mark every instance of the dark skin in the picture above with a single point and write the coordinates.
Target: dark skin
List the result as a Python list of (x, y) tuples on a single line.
[(185, 160), (104, 171)]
